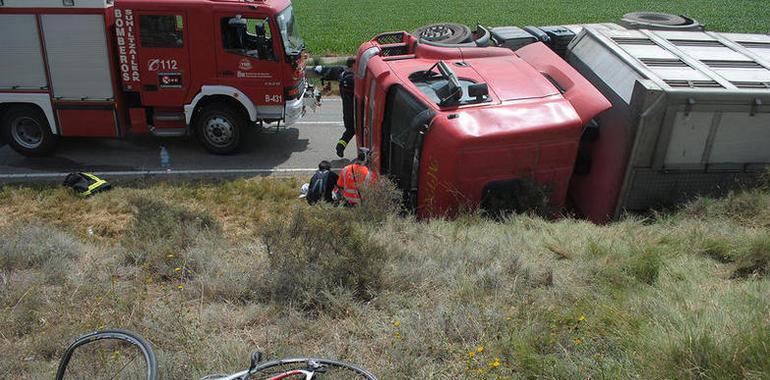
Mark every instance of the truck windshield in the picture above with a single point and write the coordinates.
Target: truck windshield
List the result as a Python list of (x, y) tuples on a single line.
[(292, 42)]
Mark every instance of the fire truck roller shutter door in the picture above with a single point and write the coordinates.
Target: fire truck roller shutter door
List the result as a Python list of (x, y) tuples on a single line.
[(228, 91), (78, 57), (21, 58)]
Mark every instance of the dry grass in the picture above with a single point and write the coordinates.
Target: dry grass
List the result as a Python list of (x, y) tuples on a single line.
[(208, 272)]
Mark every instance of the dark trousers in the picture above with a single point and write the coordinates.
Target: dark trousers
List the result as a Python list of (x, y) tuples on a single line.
[(347, 118)]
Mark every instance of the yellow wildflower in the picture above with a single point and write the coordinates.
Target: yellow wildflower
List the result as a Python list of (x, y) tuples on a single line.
[(397, 323), (480, 349), (578, 341), (471, 354), (495, 363), (582, 318), (178, 269), (180, 286)]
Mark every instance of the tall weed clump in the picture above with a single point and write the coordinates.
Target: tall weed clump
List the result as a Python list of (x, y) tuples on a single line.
[(37, 246), (161, 235), (317, 255)]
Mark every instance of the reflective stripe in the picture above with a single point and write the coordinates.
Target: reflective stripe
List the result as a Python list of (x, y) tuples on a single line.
[(98, 183), (350, 180), (343, 143)]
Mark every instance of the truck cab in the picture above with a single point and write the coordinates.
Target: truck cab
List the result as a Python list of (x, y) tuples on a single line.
[(465, 127), (169, 68)]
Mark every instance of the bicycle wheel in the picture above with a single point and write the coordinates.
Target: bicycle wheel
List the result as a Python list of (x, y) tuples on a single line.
[(322, 368), (108, 354)]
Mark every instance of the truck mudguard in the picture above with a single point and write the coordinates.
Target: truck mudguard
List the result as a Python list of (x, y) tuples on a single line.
[(221, 90), (42, 100), (584, 97)]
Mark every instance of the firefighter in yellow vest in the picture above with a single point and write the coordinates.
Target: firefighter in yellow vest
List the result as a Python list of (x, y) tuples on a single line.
[(86, 184)]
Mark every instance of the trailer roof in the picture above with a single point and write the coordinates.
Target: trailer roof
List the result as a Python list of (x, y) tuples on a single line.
[(693, 60), (56, 4)]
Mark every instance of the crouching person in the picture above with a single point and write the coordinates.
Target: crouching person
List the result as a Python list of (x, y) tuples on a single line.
[(322, 184), (354, 177)]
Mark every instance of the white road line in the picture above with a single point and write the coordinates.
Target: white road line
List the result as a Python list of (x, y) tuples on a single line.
[(321, 122), (140, 173)]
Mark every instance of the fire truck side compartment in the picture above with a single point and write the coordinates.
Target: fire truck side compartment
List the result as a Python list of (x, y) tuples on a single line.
[(21, 59), (690, 116), (77, 56)]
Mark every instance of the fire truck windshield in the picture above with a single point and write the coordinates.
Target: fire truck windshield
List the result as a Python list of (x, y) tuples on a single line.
[(292, 42)]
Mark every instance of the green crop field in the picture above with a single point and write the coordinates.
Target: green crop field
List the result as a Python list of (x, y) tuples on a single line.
[(337, 27)]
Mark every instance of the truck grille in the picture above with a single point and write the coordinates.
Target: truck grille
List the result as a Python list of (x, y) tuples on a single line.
[(392, 50), (390, 38)]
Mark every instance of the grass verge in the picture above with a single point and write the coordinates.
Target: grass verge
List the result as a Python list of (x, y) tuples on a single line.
[(210, 271)]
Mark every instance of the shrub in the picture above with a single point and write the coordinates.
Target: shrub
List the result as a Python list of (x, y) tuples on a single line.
[(31, 246), (755, 261), (644, 265), (380, 200), (161, 233), (318, 253)]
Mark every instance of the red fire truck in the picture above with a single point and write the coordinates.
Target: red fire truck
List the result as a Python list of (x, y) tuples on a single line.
[(100, 68), (459, 126)]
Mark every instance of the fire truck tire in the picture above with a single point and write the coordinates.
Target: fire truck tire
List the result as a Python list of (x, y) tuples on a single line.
[(26, 129), (218, 127)]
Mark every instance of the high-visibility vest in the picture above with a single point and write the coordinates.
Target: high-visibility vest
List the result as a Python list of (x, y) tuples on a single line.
[(351, 179)]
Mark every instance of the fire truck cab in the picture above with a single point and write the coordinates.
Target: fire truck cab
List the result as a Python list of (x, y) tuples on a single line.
[(461, 127), (105, 68)]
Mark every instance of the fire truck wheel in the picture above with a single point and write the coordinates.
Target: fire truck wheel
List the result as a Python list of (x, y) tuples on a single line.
[(26, 130), (219, 128)]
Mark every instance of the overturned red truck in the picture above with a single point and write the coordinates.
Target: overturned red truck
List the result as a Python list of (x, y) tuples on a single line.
[(104, 68), (601, 118)]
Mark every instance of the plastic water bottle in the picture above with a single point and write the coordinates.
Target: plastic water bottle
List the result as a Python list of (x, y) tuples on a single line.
[(165, 159)]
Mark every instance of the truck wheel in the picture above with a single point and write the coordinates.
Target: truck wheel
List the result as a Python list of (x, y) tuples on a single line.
[(659, 21), (26, 130), (445, 33), (219, 128)]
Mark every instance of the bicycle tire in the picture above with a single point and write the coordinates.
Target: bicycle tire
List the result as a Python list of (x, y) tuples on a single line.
[(121, 335), (364, 374)]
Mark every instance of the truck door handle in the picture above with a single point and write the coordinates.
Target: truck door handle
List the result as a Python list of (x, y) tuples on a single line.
[(227, 73)]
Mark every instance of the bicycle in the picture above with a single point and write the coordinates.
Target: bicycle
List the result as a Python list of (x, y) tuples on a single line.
[(116, 342)]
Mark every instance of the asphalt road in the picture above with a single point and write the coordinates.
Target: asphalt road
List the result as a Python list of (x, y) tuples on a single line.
[(295, 150)]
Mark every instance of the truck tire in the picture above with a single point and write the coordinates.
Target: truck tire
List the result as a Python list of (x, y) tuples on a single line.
[(445, 33), (218, 127), (659, 21), (25, 128)]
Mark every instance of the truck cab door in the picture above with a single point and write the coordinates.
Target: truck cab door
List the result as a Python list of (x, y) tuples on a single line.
[(249, 55), (163, 58)]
